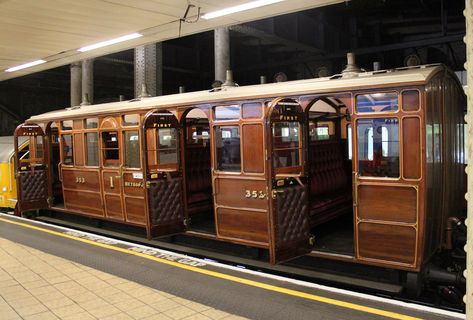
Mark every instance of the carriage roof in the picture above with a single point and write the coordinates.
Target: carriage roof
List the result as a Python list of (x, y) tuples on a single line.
[(400, 76)]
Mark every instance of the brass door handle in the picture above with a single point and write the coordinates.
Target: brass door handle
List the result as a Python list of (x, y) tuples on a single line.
[(111, 182)]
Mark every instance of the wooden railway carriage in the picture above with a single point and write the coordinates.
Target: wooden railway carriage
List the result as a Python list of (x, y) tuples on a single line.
[(271, 166)]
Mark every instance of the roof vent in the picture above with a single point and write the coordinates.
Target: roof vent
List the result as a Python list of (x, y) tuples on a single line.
[(376, 66), (144, 91), (85, 100), (182, 89), (262, 80), (351, 70), (229, 81)]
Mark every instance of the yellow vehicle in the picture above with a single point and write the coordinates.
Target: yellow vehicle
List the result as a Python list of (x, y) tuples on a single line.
[(7, 170)]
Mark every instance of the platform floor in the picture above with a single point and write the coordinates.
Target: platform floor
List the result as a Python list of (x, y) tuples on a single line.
[(48, 272)]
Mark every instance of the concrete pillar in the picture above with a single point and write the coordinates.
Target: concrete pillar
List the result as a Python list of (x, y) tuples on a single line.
[(469, 149), (149, 69), (88, 79), (222, 52), (76, 83)]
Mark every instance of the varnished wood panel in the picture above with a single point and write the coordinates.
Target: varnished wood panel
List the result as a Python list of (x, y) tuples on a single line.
[(411, 148), (253, 150), (78, 150), (241, 224), (387, 203), (133, 186), (112, 182), (231, 193), (81, 179), (113, 206), (387, 242), (87, 202), (135, 210)]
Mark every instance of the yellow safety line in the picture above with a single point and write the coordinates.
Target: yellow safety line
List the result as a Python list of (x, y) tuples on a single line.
[(215, 274)]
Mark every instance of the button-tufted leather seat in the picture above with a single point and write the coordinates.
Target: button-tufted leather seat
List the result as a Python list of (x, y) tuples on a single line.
[(199, 180), (330, 187)]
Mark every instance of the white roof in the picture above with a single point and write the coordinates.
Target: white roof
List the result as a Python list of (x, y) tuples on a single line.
[(7, 147), (416, 75)]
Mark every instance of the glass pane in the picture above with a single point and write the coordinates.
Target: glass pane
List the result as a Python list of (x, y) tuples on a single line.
[(66, 125), (110, 145), (131, 119), (132, 149), (377, 102), (285, 135), (167, 156), (167, 138), (227, 141), (39, 147), (92, 148), (350, 147), (286, 158), (227, 113), (378, 147), (91, 123), (67, 149), (252, 110)]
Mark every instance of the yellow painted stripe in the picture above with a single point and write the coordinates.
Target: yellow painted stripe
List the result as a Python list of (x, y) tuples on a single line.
[(219, 275)]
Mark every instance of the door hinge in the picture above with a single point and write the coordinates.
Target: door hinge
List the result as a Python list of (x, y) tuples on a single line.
[(50, 201), (312, 241), (187, 221), (275, 192)]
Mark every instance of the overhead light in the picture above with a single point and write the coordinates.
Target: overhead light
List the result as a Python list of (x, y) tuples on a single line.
[(25, 65), (239, 8), (110, 42)]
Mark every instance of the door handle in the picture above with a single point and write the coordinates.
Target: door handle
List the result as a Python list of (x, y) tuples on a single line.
[(355, 189), (111, 182)]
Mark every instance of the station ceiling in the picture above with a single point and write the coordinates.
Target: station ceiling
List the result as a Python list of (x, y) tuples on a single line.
[(53, 30)]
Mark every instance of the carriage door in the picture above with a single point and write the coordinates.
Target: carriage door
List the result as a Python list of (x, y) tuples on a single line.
[(289, 215), (31, 169), (163, 174)]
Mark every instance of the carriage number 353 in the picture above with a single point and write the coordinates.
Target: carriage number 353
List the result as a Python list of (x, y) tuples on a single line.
[(255, 194)]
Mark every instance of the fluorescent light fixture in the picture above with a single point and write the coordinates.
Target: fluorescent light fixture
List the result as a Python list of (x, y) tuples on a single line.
[(110, 42), (25, 65), (241, 7)]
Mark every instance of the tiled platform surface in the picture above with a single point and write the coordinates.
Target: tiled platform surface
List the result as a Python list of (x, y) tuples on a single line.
[(35, 285)]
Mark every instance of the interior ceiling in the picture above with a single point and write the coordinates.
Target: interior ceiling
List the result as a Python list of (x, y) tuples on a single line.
[(53, 30)]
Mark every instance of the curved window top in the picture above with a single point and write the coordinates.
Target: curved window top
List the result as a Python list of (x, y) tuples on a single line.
[(377, 102)]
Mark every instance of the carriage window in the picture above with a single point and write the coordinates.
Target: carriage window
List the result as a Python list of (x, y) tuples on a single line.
[(227, 113), (377, 102), (67, 149), (132, 149), (286, 144), (167, 145), (227, 141), (111, 151), (131, 119), (198, 135), (252, 110), (39, 147), (91, 123), (378, 147), (92, 148), (66, 125)]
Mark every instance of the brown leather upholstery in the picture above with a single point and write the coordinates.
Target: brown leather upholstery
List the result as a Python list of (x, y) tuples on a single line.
[(33, 185), (330, 187), (292, 218), (199, 180), (165, 201)]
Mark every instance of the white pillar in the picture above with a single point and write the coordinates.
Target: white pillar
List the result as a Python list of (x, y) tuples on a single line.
[(88, 79), (76, 83)]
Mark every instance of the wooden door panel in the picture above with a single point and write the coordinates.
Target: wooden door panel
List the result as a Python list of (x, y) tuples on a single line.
[(233, 192), (135, 210), (112, 182), (113, 207), (81, 179), (385, 242), (243, 224), (88, 202), (387, 203)]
